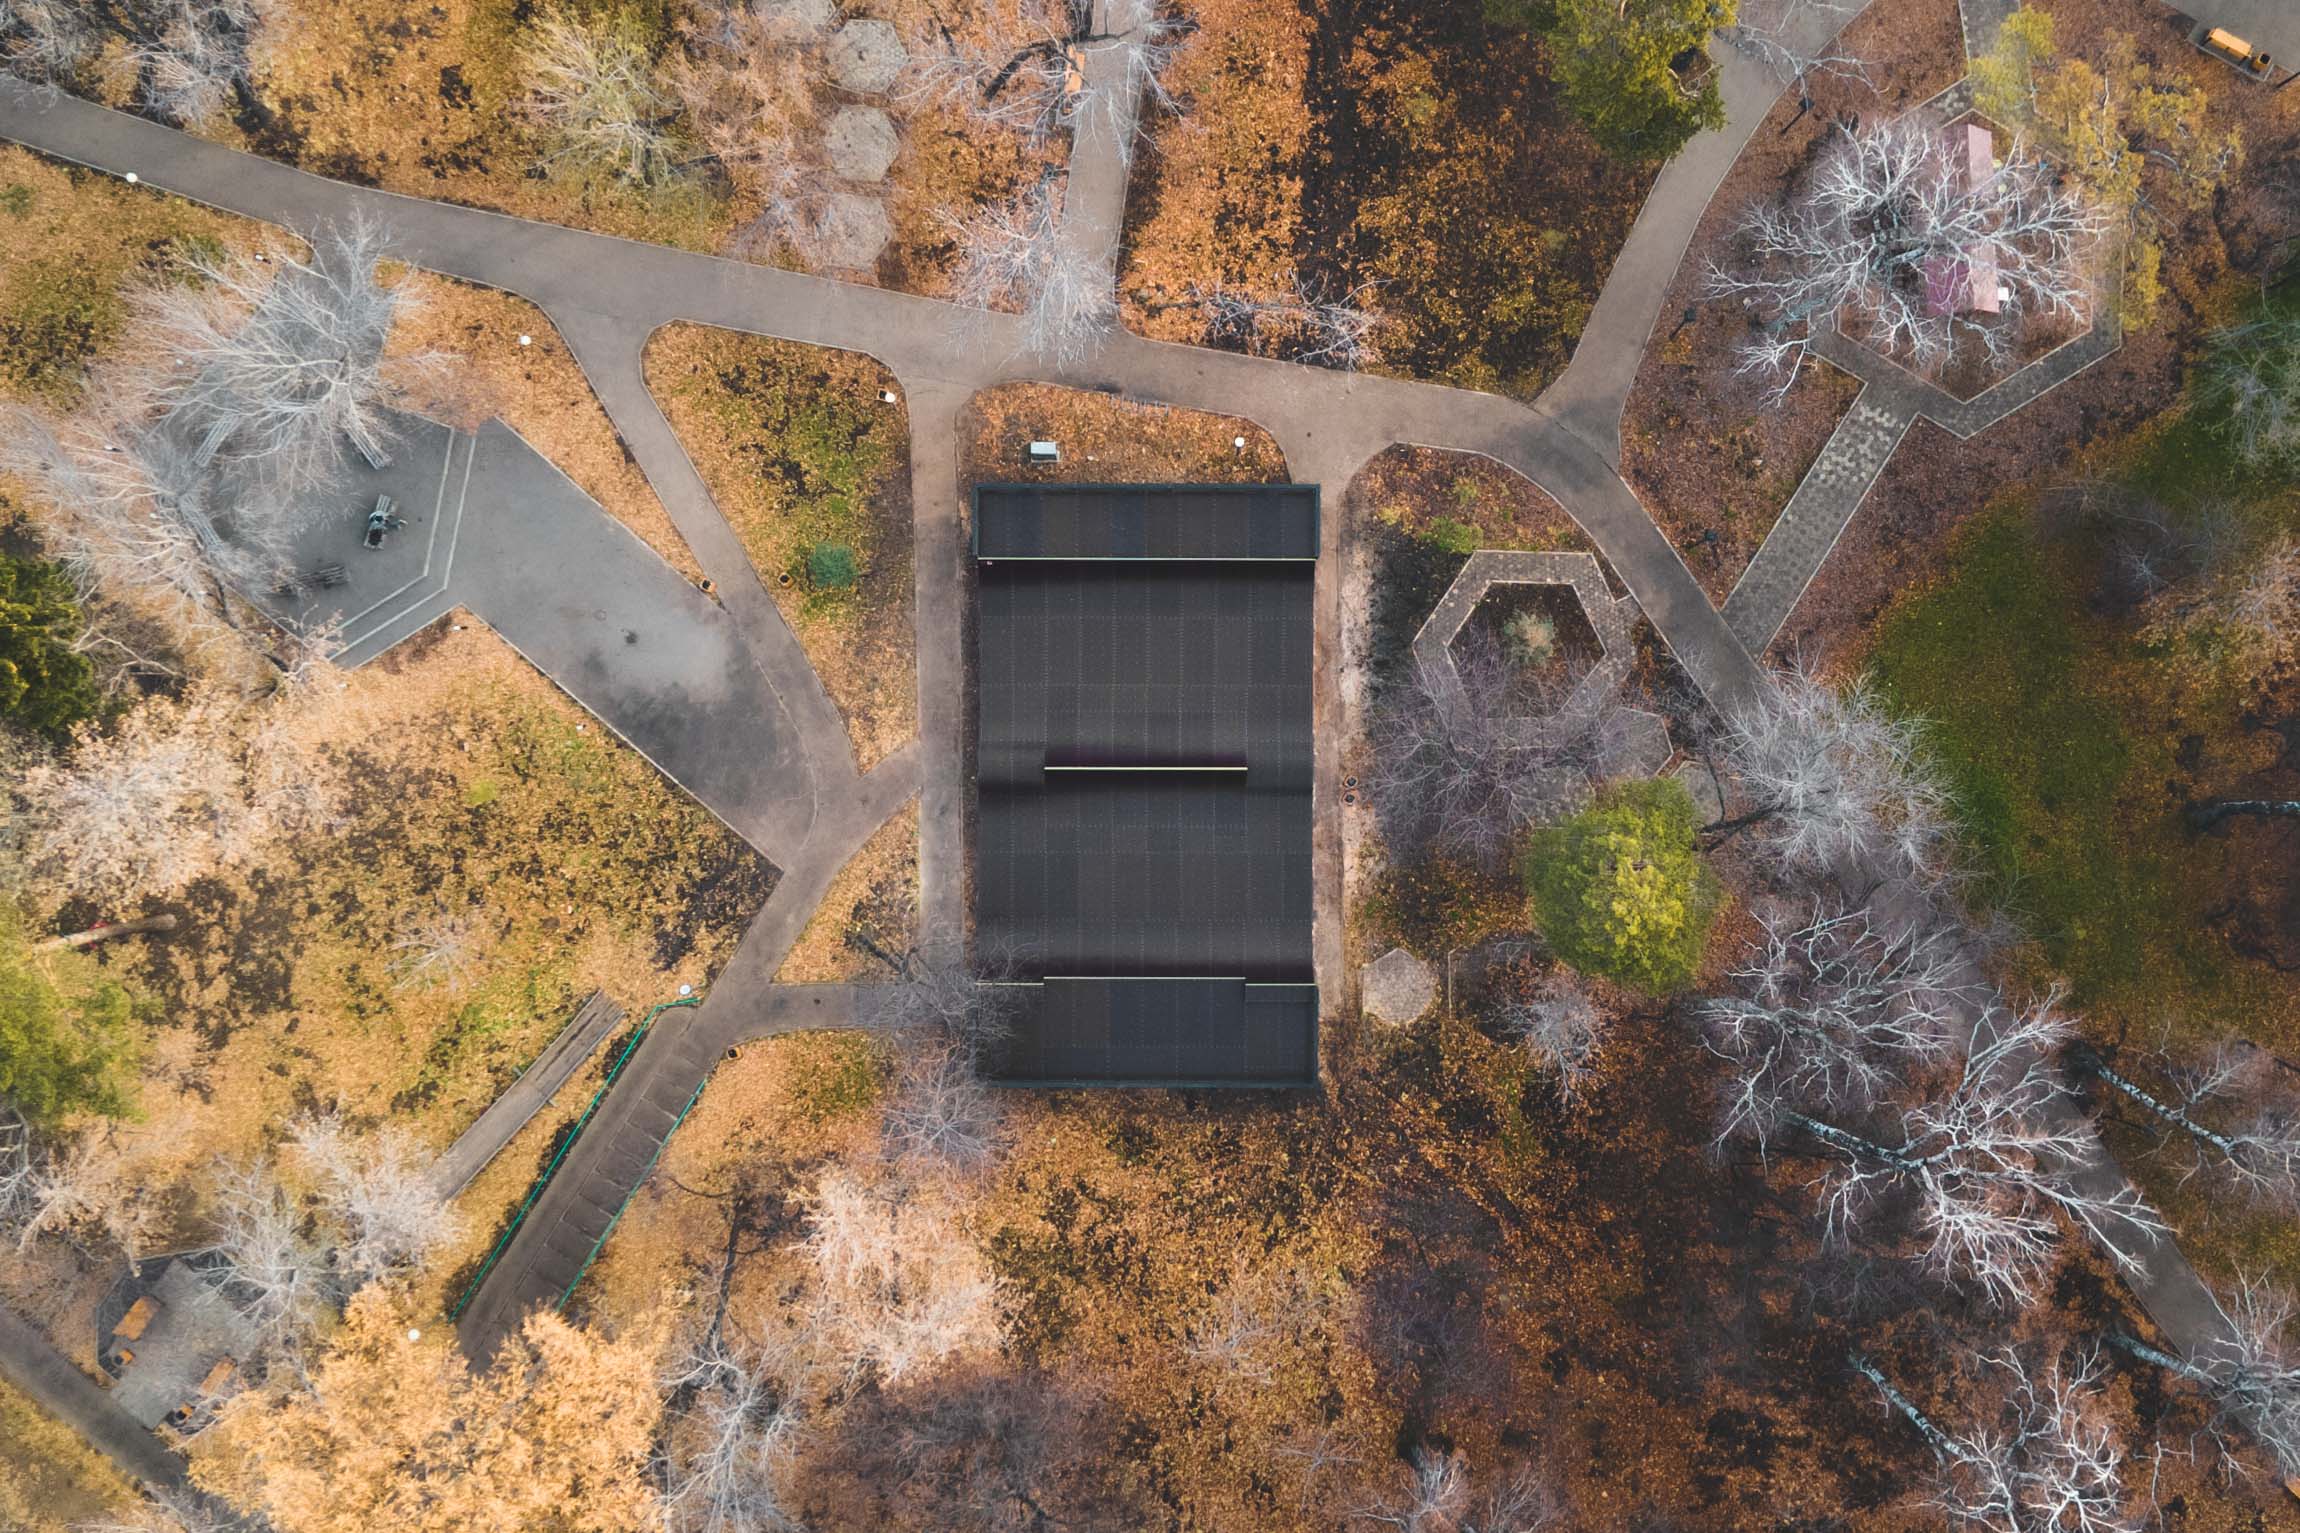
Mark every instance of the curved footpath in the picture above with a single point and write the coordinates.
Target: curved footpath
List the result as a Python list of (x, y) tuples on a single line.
[(608, 295)]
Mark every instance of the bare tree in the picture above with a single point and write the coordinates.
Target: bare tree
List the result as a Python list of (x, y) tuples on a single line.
[(46, 42), (2252, 380), (594, 101), (1038, 67), (1017, 255), (267, 1258), (146, 808), (727, 1438), (1798, 41), (1439, 1496), (1838, 786), (2050, 1460), (746, 83), (2259, 1153), (1887, 219), (900, 1287), (383, 1209), (437, 949), (1836, 1012), (286, 1258), (943, 1113), (193, 57), (132, 512), (278, 362), (83, 1189), (1984, 1164), (1465, 759), (1560, 1026), (1294, 320), (2249, 1371)]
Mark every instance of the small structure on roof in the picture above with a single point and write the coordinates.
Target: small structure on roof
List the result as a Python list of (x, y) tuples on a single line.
[(1967, 282)]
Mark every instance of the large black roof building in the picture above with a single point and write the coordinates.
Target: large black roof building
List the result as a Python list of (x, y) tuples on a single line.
[(1144, 751)]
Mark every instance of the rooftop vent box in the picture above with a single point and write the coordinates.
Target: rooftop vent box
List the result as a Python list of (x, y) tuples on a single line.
[(1045, 452)]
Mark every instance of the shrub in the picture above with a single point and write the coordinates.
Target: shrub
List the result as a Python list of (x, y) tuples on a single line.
[(1455, 537), (44, 685), (63, 1049), (1620, 889), (1443, 904)]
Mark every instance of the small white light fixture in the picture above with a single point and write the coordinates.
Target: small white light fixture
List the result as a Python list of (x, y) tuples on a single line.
[(686, 989), (413, 1334), (1238, 442), (886, 396), (580, 728), (527, 340), (133, 178)]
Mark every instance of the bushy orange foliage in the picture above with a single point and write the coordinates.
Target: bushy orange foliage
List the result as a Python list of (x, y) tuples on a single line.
[(395, 1433)]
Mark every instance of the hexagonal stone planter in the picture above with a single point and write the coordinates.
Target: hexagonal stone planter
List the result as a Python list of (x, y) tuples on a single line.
[(1396, 987), (1645, 746)]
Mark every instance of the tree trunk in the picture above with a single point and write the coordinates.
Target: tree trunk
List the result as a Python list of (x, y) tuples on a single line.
[(2204, 816), (96, 934)]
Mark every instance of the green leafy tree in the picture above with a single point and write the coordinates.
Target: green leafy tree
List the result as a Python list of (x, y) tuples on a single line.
[(1620, 889), (2138, 138), (64, 1047), (44, 685), (1614, 59)]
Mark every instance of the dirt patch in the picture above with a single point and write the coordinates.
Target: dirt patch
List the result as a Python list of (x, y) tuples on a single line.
[(868, 919), (538, 390), (1711, 457), (811, 466), (1407, 152), (1105, 438)]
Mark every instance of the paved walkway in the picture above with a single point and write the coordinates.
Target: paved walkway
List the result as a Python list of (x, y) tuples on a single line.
[(47, 1375), (1817, 514), (607, 295), (597, 1017)]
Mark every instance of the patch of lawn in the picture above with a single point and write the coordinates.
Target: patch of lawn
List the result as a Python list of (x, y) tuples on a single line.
[(812, 468), (2057, 791)]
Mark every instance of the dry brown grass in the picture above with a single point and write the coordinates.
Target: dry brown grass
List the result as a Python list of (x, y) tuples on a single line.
[(476, 790), (875, 897), (800, 453), (423, 101), (71, 241), (778, 1107), (540, 392), (50, 1480), (1106, 438)]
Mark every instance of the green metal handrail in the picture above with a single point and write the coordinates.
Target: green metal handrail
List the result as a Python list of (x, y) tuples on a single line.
[(543, 1179)]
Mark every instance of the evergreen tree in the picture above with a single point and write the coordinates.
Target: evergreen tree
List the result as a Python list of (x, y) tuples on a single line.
[(45, 686), (64, 1048)]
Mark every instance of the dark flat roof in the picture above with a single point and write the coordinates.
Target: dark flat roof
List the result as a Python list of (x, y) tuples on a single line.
[(1144, 755), (1146, 521), (1174, 1032)]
